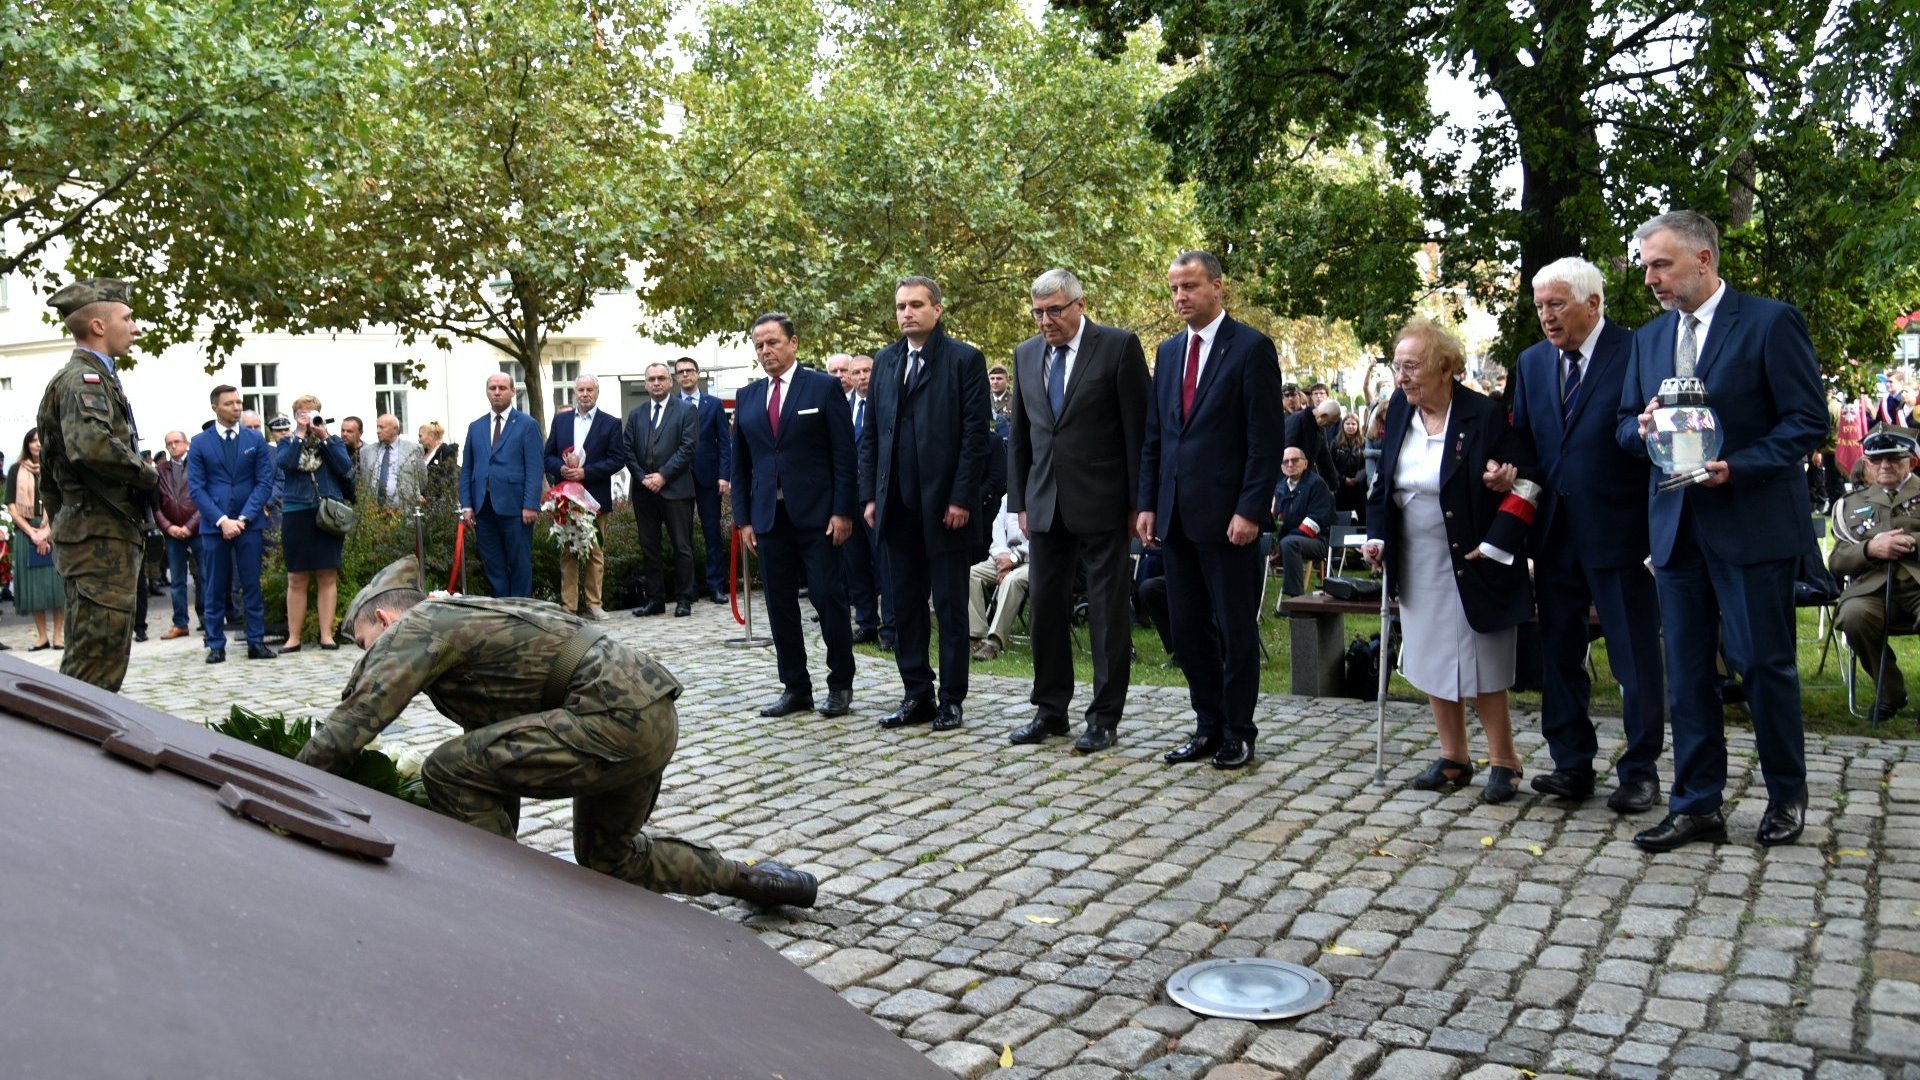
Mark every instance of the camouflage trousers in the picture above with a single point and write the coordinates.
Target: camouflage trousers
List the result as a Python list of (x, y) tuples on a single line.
[(101, 574), (480, 777)]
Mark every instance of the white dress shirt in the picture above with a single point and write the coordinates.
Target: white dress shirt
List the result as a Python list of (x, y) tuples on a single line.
[(1073, 353), (1206, 334), (1704, 313)]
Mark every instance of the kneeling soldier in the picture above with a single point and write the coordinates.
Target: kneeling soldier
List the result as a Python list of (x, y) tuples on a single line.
[(1875, 532), (552, 708)]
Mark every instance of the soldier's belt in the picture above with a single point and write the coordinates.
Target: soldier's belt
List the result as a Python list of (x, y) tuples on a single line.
[(560, 675)]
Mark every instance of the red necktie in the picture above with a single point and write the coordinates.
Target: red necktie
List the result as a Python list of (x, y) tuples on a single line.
[(773, 408), (1193, 375)]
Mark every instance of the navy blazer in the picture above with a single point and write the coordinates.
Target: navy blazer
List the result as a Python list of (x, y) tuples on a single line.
[(236, 493), (953, 414), (667, 450), (509, 474), (713, 448), (1495, 595), (1225, 458), (1311, 500), (1764, 384), (1585, 475), (810, 465), (605, 451)]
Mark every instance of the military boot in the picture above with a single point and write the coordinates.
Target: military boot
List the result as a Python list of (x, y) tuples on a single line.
[(769, 883)]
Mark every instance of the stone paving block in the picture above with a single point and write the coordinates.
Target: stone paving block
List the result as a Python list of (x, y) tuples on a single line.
[(939, 1027), (848, 966), (1174, 1067), (1893, 1037), (910, 1005), (1015, 1026), (1106, 1014), (1291, 1053), (1219, 1039), (1348, 1060), (1240, 1070), (1416, 969), (1420, 1065), (965, 1060), (1895, 996), (1126, 1048)]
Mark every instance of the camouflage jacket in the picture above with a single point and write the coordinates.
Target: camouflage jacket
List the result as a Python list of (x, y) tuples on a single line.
[(86, 442), (481, 661), (1860, 517)]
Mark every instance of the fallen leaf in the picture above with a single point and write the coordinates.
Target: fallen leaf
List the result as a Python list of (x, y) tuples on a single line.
[(1383, 852), (1043, 920), (1535, 848), (1486, 841), (1379, 838), (1341, 950), (1486, 761), (1816, 924), (1006, 1055), (1855, 852), (1526, 1072)]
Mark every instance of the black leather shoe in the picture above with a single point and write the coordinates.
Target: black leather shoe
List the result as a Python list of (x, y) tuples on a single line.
[(1233, 754), (1039, 729), (1575, 784), (655, 608), (1095, 739), (789, 703), (214, 656), (769, 883), (910, 712), (947, 717), (1500, 785), (1634, 797), (717, 597), (1783, 821), (139, 635), (839, 703), (886, 644), (259, 652), (1195, 748), (1887, 710), (682, 609), (1679, 830), (1443, 773), (865, 637)]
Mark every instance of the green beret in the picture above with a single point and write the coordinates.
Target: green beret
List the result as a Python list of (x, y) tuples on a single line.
[(401, 574), (88, 291)]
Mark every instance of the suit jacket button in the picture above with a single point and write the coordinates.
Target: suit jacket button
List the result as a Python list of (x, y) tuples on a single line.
[(1456, 547), (1459, 573), (1449, 515)]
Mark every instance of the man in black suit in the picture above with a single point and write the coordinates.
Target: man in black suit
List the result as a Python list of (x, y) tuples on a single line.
[(1208, 467), (866, 581), (661, 433), (584, 445), (1079, 412), (712, 465), (923, 463), (1302, 429), (1303, 506)]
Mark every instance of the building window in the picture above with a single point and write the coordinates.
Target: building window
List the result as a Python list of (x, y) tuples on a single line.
[(390, 384), (564, 372), (260, 389), (512, 370)]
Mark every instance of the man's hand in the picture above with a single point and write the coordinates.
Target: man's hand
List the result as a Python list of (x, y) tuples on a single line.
[(466, 515), (957, 516), (1143, 527), (1023, 525), (178, 532), (746, 537), (1500, 477), (1003, 565), (839, 527), (869, 516), (1646, 416), (1890, 545), (528, 517), (653, 482), (572, 472), (231, 528), (1718, 473), (1242, 531), (726, 487)]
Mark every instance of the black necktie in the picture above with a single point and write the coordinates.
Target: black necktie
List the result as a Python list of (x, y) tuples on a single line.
[(1572, 383), (233, 453), (913, 368), (656, 416)]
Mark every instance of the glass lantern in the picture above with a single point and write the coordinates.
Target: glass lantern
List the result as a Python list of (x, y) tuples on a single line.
[(1686, 433)]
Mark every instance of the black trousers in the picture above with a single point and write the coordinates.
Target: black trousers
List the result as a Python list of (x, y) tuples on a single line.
[(1214, 592), (1055, 555), (863, 575), (790, 557), (651, 511), (716, 539), (919, 572)]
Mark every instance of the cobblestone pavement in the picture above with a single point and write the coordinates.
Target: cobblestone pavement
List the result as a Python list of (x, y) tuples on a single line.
[(977, 897)]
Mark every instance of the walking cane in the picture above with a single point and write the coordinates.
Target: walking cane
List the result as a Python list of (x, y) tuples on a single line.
[(1886, 642), (1386, 668)]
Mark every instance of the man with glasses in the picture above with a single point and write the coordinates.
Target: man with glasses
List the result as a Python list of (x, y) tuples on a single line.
[(660, 438), (1079, 414), (1875, 533), (1303, 507), (712, 465)]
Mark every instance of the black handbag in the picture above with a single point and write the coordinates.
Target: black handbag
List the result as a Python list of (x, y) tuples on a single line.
[(335, 517)]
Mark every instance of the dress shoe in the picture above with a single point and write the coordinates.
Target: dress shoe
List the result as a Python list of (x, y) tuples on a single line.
[(839, 703), (40, 647), (1574, 784), (259, 652), (1038, 730), (295, 647), (789, 703), (769, 883), (1500, 785), (1233, 754), (655, 608), (1443, 773), (1096, 738), (886, 643), (986, 650), (216, 656), (1634, 797), (1678, 830), (1887, 710), (328, 646), (683, 609), (717, 597), (1783, 821), (174, 632), (1193, 749), (910, 712), (865, 637), (947, 717), (139, 635)]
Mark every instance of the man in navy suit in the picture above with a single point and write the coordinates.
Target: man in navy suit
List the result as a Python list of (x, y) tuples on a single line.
[(923, 468), (500, 474), (662, 432), (1725, 551), (600, 453), (1589, 538), (230, 476), (794, 484), (712, 465), (1208, 468)]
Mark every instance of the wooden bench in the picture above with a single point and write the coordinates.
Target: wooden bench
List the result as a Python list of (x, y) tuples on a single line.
[(1317, 640)]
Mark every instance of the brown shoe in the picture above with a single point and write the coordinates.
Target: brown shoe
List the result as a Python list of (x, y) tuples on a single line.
[(986, 651), (174, 632)]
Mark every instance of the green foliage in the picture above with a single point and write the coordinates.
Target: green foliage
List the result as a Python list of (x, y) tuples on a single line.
[(285, 737)]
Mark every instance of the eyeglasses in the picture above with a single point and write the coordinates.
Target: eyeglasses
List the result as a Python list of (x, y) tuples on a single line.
[(1406, 369), (1043, 314)]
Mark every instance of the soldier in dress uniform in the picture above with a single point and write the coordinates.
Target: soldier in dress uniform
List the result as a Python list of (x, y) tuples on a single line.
[(97, 485), (552, 708), (1875, 532)]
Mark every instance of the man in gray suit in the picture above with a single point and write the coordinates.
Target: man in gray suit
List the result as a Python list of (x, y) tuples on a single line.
[(661, 436), (1080, 395), (394, 468)]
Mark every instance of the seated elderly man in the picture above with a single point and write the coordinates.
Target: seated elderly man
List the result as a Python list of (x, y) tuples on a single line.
[(552, 708), (1302, 511), (1874, 534), (1004, 576)]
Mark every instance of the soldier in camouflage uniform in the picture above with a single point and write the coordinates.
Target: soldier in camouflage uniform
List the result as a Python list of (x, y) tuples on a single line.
[(1876, 531), (552, 708), (97, 485)]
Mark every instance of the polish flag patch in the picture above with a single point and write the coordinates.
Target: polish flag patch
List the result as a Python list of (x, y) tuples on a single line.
[(89, 377), (1310, 527)]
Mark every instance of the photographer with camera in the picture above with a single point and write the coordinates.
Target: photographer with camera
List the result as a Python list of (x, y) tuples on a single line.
[(315, 470)]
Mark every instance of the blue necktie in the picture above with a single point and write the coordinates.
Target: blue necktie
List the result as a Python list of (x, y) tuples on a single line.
[(1057, 381), (859, 416), (232, 454), (1572, 383)]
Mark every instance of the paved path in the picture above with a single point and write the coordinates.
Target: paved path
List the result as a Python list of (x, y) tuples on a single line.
[(977, 896)]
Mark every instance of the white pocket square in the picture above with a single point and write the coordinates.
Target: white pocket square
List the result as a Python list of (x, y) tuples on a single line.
[(806, 412)]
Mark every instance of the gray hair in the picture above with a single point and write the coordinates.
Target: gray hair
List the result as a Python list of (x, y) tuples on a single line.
[(1330, 408), (1057, 280), (658, 364), (1206, 260), (1581, 278), (594, 380), (1696, 228), (927, 283)]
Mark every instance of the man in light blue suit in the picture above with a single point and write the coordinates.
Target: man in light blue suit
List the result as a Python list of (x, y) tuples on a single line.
[(1725, 551), (500, 476), (231, 476)]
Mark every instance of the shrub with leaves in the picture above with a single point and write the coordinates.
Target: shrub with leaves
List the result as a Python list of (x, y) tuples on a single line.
[(285, 737)]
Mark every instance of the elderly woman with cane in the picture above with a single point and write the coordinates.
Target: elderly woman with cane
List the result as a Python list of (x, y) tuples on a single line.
[(1447, 520)]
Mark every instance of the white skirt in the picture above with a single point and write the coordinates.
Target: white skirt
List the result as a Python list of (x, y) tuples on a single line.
[(1444, 656)]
